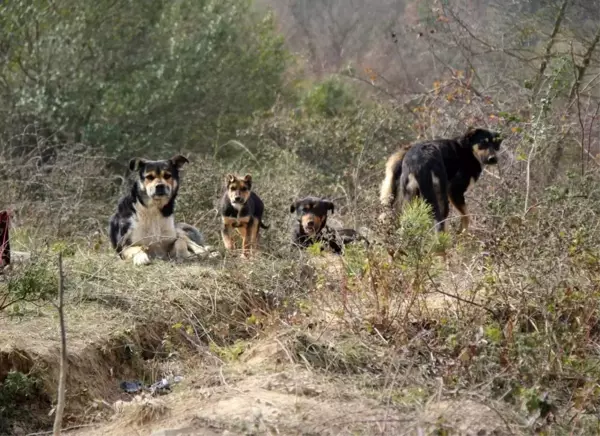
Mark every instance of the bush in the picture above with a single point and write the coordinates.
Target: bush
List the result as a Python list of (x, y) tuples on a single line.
[(416, 234), (35, 282), (332, 97), (17, 391), (158, 74)]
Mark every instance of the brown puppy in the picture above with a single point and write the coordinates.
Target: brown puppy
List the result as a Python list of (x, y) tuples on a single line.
[(243, 210)]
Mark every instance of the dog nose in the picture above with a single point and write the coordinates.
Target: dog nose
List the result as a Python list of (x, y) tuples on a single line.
[(238, 199), (160, 190), (310, 224), (492, 160)]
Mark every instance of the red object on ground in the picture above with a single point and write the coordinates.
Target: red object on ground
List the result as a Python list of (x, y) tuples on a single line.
[(4, 239)]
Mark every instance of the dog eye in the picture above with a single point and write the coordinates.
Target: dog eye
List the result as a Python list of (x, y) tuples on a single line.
[(243, 188), (167, 176), (150, 177)]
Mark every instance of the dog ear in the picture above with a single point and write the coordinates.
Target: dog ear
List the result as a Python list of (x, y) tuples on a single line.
[(293, 207), (475, 135), (248, 180), (179, 160), (470, 133), (136, 163), (329, 205), (229, 178)]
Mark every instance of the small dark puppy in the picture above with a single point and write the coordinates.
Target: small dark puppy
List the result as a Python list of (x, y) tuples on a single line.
[(440, 170), (143, 226), (311, 225), (243, 210)]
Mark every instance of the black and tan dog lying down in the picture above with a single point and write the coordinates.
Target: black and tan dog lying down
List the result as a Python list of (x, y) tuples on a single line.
[(143, 227), (311, 226)]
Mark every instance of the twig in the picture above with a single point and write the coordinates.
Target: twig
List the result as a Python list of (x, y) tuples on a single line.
[(581, 69), (578, 101), (529, 158), (75, 427), (60, 403), (464, 300), (589, 136)]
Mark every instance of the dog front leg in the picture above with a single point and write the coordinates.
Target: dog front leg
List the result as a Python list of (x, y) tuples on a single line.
[(254, 235), (227, 240), (246, 239), (137, 254)]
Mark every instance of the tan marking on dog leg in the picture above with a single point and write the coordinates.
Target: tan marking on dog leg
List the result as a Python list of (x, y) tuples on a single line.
[(464, 217), (227, 240), (137, 254), (412, 186), (253, 233), (230, 221), (245, 232)]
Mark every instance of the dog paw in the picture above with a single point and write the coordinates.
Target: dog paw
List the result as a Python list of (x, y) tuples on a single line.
[(141, 258)]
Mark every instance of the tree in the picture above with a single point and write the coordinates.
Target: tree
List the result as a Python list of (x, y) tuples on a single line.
[(136, 75)]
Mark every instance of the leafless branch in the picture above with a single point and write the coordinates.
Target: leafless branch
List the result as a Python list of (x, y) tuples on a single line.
[(548, 50)]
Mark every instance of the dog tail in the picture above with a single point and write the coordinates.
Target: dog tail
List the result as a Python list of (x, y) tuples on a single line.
[(191, 232), (393, 171), (264, 226)]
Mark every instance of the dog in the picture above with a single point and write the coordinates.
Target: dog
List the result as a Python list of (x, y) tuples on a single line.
[(440, 171), (143, 227), (242, 209), (311, 226)]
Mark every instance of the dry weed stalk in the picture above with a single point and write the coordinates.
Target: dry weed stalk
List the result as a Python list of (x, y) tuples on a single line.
[(62, 380)]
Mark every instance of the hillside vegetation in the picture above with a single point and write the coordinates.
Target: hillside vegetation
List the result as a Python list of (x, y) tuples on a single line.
[(499, 337)]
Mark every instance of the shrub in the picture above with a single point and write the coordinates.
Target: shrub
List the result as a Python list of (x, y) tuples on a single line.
[(35, 282), (17, 391), (329, 98), (160, 74)]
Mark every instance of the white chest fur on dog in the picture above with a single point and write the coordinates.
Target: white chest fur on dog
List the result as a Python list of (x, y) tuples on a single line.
[(151, 229)]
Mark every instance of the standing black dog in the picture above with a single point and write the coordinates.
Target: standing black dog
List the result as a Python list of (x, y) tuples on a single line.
[(311, 225), (144, 225), (440, 170)]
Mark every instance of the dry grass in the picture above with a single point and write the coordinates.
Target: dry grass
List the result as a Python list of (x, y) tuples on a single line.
[(140, 411)]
